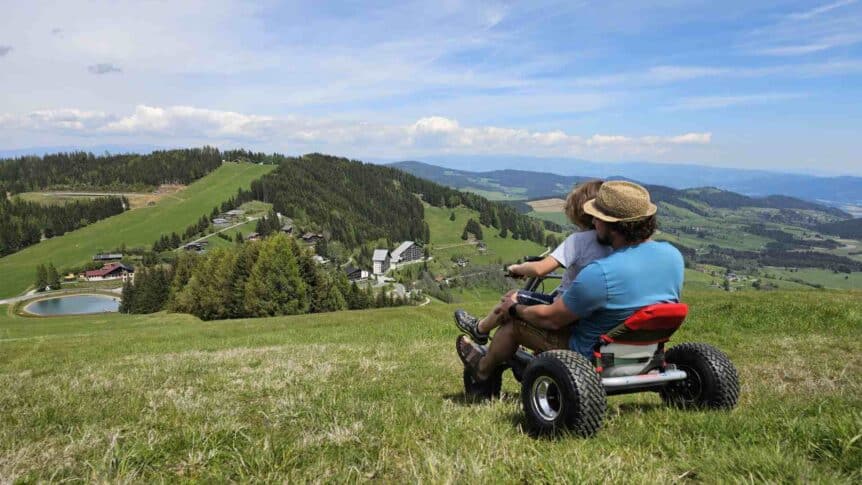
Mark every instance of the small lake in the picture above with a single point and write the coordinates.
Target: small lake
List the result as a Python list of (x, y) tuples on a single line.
[(74, 305)]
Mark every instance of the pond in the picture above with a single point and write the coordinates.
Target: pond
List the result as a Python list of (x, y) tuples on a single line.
[(74, 305)]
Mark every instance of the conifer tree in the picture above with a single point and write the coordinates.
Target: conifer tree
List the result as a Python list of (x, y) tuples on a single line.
[(53, 277), (41, 277), (275, 286)]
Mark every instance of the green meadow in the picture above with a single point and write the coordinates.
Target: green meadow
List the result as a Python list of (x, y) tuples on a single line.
[(446, 239), (139, 227), (376, 396)]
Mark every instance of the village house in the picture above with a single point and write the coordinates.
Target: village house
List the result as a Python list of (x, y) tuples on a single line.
[(110, 271), (381, 261), (194, 247), (312, 237), (406, 252), (356, 274)]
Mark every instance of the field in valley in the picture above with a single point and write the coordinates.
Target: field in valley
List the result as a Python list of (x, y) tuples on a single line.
[(139, 227), (376, 396)]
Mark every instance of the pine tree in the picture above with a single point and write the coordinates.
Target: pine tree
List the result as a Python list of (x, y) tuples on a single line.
[(275, 286), (128, 298), (41, 277), (53, 277), (504, 232), (452, 216)]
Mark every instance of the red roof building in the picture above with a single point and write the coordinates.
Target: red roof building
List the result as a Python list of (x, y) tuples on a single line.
[(110, 271)]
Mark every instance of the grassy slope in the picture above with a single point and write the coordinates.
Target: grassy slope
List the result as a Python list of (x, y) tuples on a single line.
[(448, 233), (376, 395), (139, 227)]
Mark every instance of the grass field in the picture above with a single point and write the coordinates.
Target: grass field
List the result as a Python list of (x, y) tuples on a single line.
[(446, 239), (139, 227), (826, 278), (376, 396)]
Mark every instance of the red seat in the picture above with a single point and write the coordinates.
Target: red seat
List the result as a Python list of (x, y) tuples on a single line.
[(639, 340)]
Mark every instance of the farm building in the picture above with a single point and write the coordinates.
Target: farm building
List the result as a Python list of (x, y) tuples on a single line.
[(381, 261), (108, 257), (407, 251), (219, 221), (110, 271)]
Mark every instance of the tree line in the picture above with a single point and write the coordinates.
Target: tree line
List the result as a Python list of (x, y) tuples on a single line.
[(87, 171), (272, 277), (24, 223)]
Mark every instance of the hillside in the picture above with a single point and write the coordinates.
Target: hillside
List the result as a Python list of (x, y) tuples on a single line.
[(376, 396), (836, 191), (139, 227)]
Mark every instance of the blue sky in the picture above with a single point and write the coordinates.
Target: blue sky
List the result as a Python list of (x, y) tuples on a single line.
[(773, 85)]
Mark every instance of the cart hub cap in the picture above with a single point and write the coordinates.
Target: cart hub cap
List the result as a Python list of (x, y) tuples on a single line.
[(546, 398)]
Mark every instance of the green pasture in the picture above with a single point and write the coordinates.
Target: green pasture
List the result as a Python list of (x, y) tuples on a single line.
[(376, 396), (139, 227), (446, 239), (824, 277)]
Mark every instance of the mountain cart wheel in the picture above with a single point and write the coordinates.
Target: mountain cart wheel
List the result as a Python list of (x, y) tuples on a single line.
[(481, 391), (712, 381), (561, 391)]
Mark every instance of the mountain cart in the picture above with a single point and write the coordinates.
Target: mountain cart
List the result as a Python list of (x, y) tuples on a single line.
[(561, 390)]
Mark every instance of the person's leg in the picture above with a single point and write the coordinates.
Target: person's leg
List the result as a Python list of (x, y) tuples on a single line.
[(496, 317), (501, 349), (514, 334)]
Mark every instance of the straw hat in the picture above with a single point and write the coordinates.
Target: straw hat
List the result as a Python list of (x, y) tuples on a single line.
[(620, 201)]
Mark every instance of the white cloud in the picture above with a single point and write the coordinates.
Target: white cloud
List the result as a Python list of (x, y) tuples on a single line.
[(820, 10), (433, 134)]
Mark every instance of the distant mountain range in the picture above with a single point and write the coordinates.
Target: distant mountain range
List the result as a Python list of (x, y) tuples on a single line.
[(560, 175)]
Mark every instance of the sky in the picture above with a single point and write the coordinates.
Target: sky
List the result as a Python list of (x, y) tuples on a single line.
[(767, 84)]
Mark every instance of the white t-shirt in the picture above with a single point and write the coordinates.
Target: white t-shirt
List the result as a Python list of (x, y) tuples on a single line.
[(577, 251)]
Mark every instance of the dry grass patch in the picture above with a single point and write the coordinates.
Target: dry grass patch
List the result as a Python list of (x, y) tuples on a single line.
[(548, 205)]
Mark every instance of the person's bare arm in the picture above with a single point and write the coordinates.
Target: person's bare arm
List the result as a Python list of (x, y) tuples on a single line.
[(550, 317), (536, 268)]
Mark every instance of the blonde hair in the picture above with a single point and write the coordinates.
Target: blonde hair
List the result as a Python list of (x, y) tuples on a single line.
[(576, 199)]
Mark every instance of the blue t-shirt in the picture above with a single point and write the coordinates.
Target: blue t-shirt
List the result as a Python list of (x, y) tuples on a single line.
[(609, 290)]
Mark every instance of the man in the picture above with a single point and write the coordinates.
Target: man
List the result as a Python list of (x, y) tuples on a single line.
[(640, 272)]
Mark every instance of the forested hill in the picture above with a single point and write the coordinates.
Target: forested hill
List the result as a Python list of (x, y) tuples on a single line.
[(86, 171), (357, 202)]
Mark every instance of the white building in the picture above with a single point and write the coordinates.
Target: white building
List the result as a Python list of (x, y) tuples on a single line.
[(407, 251), (381, 261)]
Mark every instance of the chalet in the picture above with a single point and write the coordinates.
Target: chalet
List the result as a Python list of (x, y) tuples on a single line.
[(108, 257), (253, 237), (381, 261), (355, 274), (110, 271), (481, 247), (407, 251), (194, 247), (235, 213), (312, 238), (287, 228), (220, 221)]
